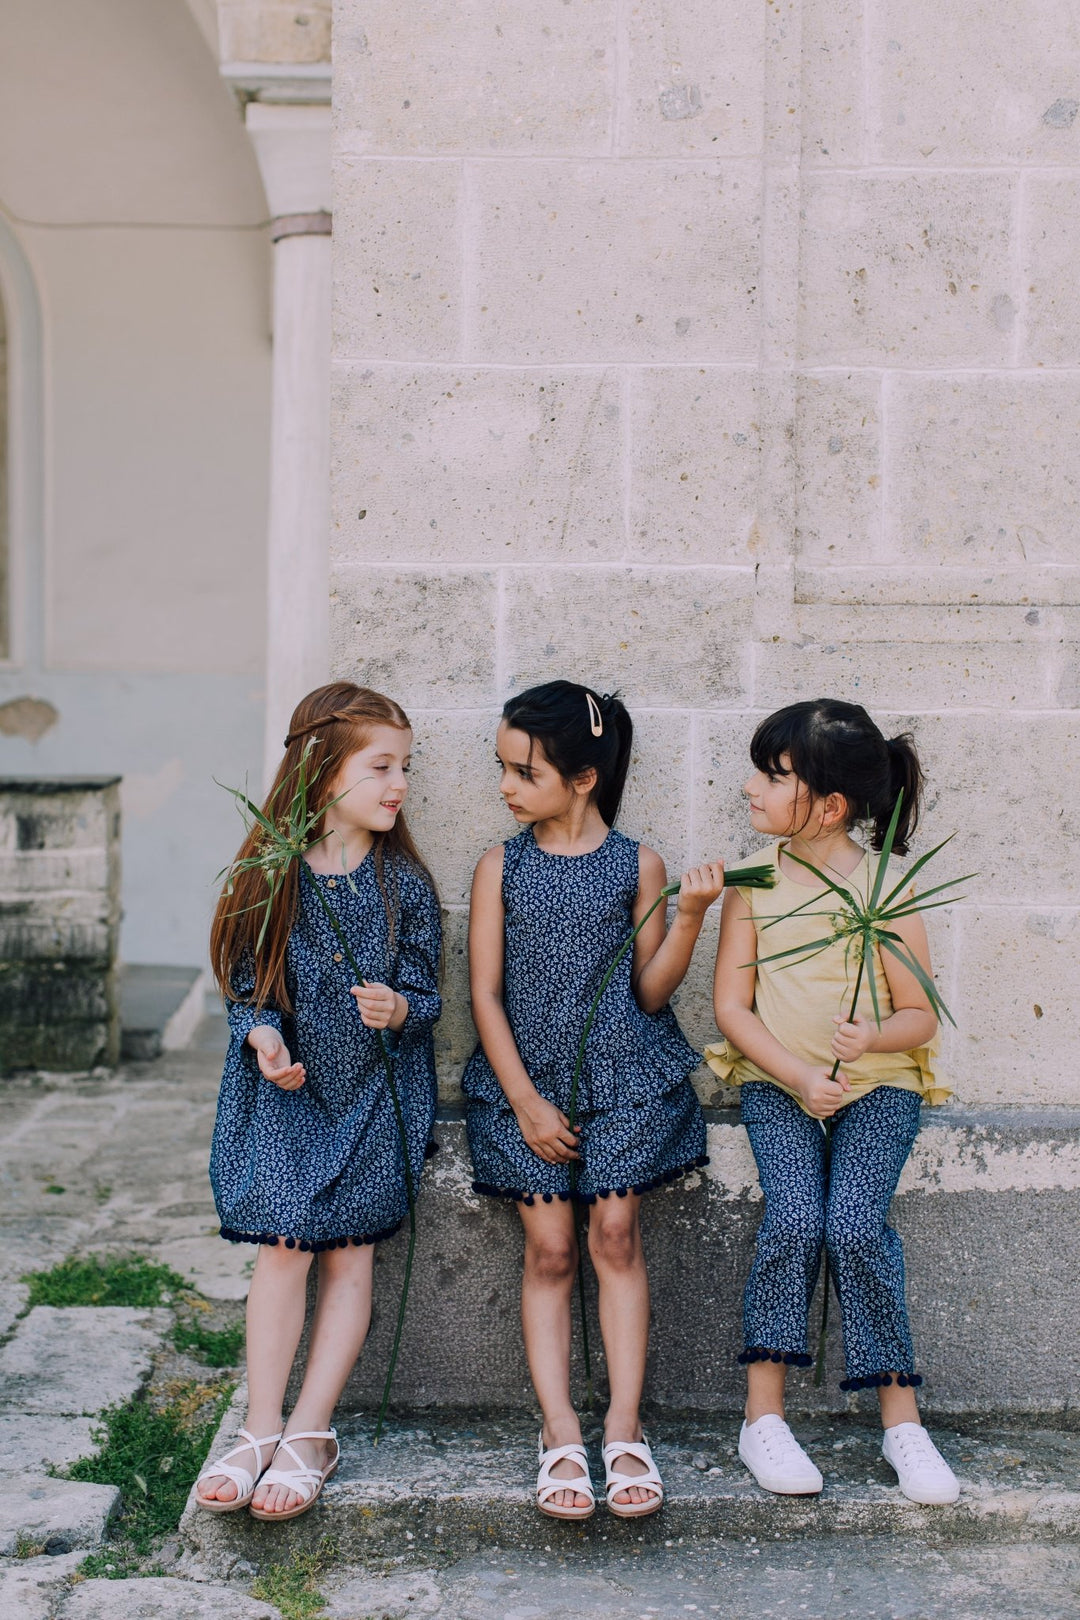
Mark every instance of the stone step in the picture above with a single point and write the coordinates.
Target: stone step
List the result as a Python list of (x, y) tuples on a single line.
[(39, 1514), (440, 1484), (160, 1008)]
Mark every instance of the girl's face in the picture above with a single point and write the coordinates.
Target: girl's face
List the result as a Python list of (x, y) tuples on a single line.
[(530, 784), (373, 781), (779, 804)]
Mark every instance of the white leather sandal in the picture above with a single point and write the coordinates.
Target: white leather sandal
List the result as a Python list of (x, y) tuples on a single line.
[(547, 1487), (244, 1480), (615, 1482), (306, 1481)]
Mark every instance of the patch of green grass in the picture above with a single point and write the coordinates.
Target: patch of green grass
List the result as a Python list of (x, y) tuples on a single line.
[(115, 1564), (27, 1547), (293, 1586), (214, 1347), (53, 1188), (153, 1455), (126, 1279)]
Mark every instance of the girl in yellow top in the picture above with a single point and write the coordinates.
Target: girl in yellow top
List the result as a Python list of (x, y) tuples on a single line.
[(822, 769)]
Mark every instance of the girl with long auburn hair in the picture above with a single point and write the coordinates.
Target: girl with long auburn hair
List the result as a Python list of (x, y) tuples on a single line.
[(307, 1156)]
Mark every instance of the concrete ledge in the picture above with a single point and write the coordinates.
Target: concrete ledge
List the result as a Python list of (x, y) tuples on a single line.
[(160, 1009), (989, 1210), (450, 1486)]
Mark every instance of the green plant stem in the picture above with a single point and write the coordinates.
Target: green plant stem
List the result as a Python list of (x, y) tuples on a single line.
[(410, 1192), (827, 1126)]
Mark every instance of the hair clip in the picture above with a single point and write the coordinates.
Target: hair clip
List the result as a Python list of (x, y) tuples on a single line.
[(596, 719)]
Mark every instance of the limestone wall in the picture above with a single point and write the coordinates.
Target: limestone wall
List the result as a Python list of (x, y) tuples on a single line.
[(727, 355)]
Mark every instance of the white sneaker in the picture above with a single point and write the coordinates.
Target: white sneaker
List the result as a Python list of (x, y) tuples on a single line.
[(776, 1459), (923, 1473)]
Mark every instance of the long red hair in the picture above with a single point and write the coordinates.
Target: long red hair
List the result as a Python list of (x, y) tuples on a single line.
[(326, 727)]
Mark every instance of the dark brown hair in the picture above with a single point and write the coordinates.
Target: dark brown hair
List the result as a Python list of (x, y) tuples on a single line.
[(835, 747), (578, 729), (326, 727)]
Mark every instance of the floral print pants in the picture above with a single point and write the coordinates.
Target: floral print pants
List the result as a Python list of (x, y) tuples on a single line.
[(844, 1208)]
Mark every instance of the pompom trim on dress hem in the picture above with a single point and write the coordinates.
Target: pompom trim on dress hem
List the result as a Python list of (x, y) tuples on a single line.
[(520, 1196), (308, 1245), (906, 1380), (789, 1358)]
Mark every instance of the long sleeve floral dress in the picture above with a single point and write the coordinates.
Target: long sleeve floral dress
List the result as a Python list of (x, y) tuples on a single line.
[(322, 1166)]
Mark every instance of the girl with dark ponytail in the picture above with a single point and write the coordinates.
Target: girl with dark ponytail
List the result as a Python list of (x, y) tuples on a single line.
[(822, 770), (550, 909)]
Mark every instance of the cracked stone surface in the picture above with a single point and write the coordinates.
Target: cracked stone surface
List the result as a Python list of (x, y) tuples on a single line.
[(79, 1359), (62, 1513)]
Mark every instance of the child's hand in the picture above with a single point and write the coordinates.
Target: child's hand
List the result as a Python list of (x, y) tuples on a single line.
[(821, 1095), (547, 1132), (853, 1037), (275, 1064), (699, 888), (377, 1004)]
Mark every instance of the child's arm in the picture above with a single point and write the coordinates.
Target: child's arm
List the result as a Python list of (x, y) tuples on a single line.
[(545, 1128), (260, 1028), (418, 949), (912, 1022), (662, 955), (733, 1003)]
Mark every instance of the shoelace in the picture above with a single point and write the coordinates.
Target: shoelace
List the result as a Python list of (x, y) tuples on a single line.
[(916, 1447), (780, 1443)]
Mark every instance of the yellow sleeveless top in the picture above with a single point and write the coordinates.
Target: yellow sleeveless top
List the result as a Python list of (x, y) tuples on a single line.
[(796, 998)]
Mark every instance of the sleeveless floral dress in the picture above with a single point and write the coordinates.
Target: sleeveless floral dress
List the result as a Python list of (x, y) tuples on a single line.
[(566, 916), (321, 1167)]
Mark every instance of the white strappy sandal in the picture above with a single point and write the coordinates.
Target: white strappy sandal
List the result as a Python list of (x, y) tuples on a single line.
[(244, 1480), (306, 1481), (615, 1482), (547, 1487)]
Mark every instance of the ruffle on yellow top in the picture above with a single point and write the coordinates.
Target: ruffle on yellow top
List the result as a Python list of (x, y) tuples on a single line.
[(793, 999)]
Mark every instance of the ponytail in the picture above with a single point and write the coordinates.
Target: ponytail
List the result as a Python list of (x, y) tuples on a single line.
[(579, 731), (906, 778)]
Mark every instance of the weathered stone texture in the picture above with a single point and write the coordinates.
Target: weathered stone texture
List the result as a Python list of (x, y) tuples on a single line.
[(452, 610), (1051, 205), (457, 76), (270, 31), (975, 84), (907, 270), (983, 470), (461, 464), (833, 87), (697, 461), (627, 261), (695, 78), (59, 922), (839, 449), (397, 260)]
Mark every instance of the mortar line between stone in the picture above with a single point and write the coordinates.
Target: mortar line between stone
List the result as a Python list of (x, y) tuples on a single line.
[(742, 710), (864, 57), (859, 368)]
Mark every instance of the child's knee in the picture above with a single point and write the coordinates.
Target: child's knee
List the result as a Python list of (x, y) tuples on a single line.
[(278, 1258), (551, 1257), (797, 1229), (616, 1245), (851, 1234)]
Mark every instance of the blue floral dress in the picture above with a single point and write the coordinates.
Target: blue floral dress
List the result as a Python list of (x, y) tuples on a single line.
[(322, 1166), (566, 916)]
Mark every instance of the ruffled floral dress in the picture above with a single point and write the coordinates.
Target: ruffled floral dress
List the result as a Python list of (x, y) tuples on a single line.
[(322, 1166), (566, 916)]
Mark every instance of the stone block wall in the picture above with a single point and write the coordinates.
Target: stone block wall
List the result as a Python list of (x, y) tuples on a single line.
[(726, 355), (59, 922)]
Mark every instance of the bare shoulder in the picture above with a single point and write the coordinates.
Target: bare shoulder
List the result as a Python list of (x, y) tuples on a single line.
[(651, 869), (489, 868)]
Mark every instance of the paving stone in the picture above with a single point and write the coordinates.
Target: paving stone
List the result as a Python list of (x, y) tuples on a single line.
[(13, 1297), (78, 1359), (163, 1598), (29, 1587), (32, 1442), (842, 1579), (61, 1513)]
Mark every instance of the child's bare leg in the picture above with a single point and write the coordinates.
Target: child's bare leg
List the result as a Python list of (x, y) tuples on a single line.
[(616, 1252), (275, 1320), (898, 1405), (338, 1330), (551, 1261), (765, 1389)]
